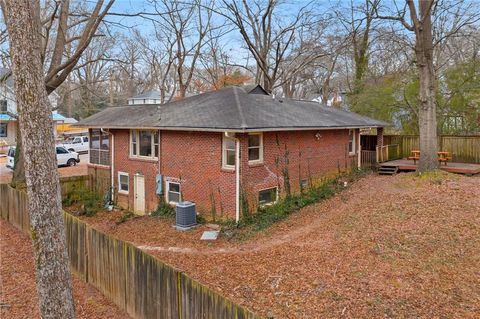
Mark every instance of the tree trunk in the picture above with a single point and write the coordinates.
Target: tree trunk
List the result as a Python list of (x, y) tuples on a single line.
[(18, 178), (427, 114), (22, 18)]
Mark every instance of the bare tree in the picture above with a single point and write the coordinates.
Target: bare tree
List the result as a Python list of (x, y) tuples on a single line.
[(264, 35), (57, 26), (189, 24), (54, 286)]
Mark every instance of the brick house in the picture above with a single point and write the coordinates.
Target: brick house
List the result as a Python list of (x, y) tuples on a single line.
[(226, 150)]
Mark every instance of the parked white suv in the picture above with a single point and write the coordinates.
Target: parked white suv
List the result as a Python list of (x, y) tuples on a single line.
[(76, 143), (64, 157)]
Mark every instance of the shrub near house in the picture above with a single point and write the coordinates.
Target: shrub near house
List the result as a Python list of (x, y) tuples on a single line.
[(228, 151)]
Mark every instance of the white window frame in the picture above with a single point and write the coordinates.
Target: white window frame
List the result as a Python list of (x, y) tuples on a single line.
[(224, 152), (137, 144), (271, 203), (120, 190), (353, 142), (260, 150), (167, 193)]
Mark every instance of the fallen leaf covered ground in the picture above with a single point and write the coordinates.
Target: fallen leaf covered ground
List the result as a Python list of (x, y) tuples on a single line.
[(18, 296), (403, 246)]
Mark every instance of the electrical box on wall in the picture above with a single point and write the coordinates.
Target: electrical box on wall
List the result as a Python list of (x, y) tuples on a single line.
[(159, 182)]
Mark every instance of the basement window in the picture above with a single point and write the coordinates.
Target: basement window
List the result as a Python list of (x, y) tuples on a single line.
[(267, 196), (351, 142), (123, 183), (173, 192)]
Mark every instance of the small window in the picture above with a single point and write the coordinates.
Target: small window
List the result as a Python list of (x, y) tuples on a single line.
[(351, 142), (255, 148), (85, 139), (77, 140), (3, 130), (173, 192), (267, 196), (123, 182), (228, 152)]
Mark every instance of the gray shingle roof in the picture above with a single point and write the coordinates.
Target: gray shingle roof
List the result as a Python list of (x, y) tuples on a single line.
[(232, 109)]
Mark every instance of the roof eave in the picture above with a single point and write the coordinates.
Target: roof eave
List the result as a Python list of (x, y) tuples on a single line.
[(229, 129)]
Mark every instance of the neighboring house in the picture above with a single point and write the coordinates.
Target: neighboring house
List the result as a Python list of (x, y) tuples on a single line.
[(153, 97), (227, 150), (150, 97), (8, 109)]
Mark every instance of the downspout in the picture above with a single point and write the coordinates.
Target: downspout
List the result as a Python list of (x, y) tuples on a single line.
[(237, 174), (237, 179)]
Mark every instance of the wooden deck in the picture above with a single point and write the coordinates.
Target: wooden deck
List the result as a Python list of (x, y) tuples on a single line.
[(452, 167)]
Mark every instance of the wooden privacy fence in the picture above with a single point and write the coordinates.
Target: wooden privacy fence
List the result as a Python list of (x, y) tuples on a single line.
[(464, 149), (136, 281)]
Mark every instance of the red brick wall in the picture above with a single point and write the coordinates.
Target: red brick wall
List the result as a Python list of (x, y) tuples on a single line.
[(302, 155), (195, 160), (191, 158)]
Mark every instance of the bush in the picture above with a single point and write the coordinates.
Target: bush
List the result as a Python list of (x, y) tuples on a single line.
[(90, 202), (163, 211)]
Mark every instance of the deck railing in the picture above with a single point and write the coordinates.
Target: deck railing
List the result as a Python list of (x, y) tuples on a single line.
[(368, 159), (387, 153)]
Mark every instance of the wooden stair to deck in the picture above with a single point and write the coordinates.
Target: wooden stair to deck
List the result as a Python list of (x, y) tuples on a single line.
[(387, 170)]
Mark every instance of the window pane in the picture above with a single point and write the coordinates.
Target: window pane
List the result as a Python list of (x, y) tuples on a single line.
[(267, 196), (174, 187), (173, 197), (156, 150), (105, 142), (253, 140), (134, 136), (155, 137), (134, 149), (61, 150), (124, 183), (86, 138), (229, 144), (253, 154), (230, 158), (95, 142), (145, 143)]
